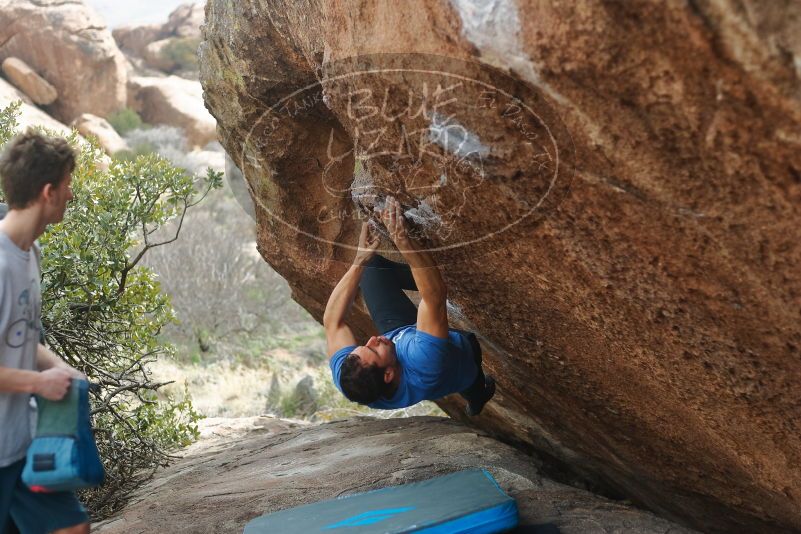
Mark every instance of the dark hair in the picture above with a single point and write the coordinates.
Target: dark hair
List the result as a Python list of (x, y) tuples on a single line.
[(361, 383), (30, 161)]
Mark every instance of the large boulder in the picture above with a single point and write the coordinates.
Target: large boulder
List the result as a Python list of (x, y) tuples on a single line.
[(69, 45), (244, 468), (133, 40), (175, 102), (39, 90), (99, 128), (612, 190)]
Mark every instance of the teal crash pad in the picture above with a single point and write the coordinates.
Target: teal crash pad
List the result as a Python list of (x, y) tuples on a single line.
[(466, 501)]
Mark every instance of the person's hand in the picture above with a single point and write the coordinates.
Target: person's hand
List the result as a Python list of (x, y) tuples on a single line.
[(75, 373), (368, 243), (396, 223), (54, 383)]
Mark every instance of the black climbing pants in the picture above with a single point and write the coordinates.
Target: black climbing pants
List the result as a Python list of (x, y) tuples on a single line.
[(382, 284)]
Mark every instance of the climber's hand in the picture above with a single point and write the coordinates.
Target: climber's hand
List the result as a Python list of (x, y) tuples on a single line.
[(368, 243), (396, 223)]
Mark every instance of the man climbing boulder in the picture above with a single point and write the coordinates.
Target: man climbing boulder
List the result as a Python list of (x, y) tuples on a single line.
[(417, 357)]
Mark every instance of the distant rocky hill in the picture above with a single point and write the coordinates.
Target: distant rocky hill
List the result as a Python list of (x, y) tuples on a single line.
[(64, 42), (67, 69), (146, 44)]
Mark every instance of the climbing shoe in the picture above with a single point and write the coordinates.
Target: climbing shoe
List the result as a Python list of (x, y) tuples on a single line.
[(473, 409)]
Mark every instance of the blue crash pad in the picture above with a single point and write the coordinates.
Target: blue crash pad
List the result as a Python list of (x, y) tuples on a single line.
[(467, 501)]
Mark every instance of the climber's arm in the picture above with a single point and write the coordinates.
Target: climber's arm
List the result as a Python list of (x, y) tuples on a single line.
[(338, 337), (432, 313), (432, 318), (337, 333), (424, 270)]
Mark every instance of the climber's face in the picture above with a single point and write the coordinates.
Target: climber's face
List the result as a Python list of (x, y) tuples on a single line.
[(378, 350)]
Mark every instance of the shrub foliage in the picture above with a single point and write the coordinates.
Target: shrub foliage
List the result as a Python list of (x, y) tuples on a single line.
[(125, 120), (182, 52)]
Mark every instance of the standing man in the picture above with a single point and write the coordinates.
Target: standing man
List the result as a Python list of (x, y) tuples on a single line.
[(418, 357), (36, 177)]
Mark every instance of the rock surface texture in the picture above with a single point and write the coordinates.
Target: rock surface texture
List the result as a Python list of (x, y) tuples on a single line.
[(68, 44), (267, 465), (642, 316), (29, 82)]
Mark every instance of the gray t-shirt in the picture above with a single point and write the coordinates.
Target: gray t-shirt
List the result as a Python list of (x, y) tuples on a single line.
[(20, 324)]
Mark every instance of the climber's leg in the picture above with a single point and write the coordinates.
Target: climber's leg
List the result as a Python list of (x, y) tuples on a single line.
[(382, 285), (483, 387), (401, 271)]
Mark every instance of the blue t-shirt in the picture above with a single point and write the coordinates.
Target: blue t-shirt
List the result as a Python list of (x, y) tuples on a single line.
[(431, 367)]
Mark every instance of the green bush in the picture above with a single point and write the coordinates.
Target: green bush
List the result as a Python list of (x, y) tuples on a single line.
[(103, 311), (182, 52), (125, 120), (8, 123)]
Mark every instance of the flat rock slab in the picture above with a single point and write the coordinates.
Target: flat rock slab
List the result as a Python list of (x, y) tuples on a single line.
[(248, 467), (29, 114)]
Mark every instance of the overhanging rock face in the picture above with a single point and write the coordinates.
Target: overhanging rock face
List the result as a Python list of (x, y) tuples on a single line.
[(613, 194)]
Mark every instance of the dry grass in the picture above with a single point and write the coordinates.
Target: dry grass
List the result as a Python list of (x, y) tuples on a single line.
[(223, 389)]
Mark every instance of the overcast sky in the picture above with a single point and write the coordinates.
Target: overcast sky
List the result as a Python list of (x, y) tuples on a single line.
[(135, 12)]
